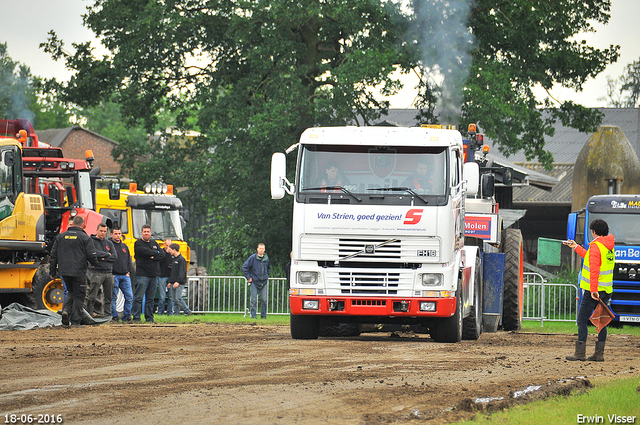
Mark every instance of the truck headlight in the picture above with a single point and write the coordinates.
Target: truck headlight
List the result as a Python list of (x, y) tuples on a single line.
[(432, 279), (308, 278), (427, 306), (310, 305)]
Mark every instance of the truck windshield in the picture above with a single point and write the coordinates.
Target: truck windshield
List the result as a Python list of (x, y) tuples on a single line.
[(165, 224), (362, 169), (10, 177), (624, 227)]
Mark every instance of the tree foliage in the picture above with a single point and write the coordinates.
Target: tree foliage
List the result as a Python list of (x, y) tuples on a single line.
[(624, 92), (17, 93), (255, 74), (525, 43), (23, 95)]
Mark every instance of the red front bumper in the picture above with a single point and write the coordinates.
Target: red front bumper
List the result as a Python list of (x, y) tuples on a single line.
[(378, 306)]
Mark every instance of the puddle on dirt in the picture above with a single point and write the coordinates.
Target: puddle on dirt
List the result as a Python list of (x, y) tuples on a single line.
[(529, 389), (526, 391)]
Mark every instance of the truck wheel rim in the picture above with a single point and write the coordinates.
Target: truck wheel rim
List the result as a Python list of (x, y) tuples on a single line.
[(53, 295)]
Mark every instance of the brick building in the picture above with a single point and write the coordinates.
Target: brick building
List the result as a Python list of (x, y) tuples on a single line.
[(75, 140)]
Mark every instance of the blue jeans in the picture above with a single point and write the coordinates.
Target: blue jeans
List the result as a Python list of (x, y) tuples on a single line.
[(64, 288), (122, 282), (164, 293), (178, 302), (145, 287), (263, 299), (587, 305)]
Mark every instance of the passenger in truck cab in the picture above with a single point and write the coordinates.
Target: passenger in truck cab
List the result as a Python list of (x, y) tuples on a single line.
[(332, 177), (423, 180)]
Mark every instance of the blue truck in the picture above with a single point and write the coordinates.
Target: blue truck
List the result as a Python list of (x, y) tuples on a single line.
[(622, 214)]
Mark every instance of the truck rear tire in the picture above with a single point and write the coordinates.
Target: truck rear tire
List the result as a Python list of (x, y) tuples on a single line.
[(449, 329), (472, 324), (303, 327), (513, 280), (48, 293)]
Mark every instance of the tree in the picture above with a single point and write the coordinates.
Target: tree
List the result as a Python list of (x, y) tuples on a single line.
[(523, 43), (257, 73), (17, 93), (624, 92), (24, 96)]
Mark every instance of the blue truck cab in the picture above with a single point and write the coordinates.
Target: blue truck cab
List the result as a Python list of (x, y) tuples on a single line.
[(622, 214)]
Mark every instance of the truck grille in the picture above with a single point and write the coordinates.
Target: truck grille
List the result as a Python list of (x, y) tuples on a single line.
[(367, 282), (333, 248)]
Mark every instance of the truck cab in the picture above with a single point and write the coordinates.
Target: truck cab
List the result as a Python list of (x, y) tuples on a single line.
[(156, 205), (378, 230), (41, 191)]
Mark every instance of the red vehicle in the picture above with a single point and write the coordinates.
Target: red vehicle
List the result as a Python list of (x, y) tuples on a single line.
[(64, 187)]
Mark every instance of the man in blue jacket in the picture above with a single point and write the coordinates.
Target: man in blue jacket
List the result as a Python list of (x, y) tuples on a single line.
[(256, 269)]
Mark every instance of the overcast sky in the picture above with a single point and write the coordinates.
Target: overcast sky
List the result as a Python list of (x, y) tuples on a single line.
[(26, 24)]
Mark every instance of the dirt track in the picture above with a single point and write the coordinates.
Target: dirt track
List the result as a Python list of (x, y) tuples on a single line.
[(208, 373)]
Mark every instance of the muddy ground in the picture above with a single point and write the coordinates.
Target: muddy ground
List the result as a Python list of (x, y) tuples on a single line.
[(241, 374)]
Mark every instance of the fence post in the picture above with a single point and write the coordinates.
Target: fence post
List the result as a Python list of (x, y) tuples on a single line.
[(542, 299), (246, 285)]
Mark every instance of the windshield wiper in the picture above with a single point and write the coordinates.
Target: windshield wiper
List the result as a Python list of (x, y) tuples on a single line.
[(404, 189), (340, 188)]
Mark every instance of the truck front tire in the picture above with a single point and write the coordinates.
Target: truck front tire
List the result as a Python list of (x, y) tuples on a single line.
[(449, 329), (303, 327), (472, 325), (48, 293)]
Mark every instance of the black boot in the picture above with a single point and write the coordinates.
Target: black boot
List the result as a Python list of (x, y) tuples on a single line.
[(580, 354), (598, 356), (65, 313)]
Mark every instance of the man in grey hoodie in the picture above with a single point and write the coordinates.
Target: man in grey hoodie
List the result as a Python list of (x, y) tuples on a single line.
[(256, 269)]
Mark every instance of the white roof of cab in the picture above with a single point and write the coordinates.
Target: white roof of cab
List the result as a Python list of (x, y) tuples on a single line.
[(381, 136)]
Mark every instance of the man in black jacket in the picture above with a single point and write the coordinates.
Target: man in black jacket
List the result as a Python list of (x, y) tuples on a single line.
[(101, 275), (165, 292), (148, 255), (178, 279), (122, 269), (69, 255)]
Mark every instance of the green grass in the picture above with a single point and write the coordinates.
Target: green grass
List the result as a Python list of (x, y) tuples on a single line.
[(619, 397), (572, 328), (272, 319)]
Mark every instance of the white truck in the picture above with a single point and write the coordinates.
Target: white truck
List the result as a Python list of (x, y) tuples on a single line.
[(379, 233)]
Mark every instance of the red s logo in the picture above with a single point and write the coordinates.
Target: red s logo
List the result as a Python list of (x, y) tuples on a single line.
[(413, 216)]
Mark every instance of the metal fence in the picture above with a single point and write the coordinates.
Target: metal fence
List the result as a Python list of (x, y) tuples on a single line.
[(231, 294), (549, 301)]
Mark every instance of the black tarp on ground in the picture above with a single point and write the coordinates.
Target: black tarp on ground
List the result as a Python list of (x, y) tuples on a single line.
[(18, 317)]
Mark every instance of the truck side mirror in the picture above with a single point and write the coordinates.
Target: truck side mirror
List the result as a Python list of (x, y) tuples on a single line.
[(471, 173), (488, 182), (572, 225), (114, 191), (507, 177), (9, 158), (278, 174)]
